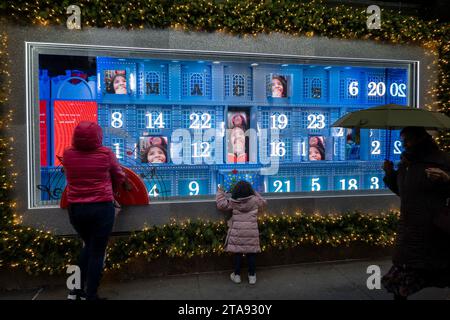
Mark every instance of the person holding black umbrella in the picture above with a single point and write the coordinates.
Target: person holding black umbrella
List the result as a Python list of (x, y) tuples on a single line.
[(422, 249)]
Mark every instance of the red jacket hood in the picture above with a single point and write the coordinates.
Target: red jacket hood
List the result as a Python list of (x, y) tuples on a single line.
[(87, 136)]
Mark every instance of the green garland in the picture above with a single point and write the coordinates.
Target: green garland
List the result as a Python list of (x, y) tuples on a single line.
[(37, 251), (233, 16), (41, 252), (199, 238)]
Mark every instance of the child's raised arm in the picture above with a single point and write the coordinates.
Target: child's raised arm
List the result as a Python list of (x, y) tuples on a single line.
[(222, 202), (260, 200)]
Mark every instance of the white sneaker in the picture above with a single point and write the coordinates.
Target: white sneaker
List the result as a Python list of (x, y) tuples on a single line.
[(235, 278), (252, 279)]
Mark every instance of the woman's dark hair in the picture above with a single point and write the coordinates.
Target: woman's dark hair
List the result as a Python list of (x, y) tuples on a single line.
[(283, 83), (110, 85), (321, 150), (242, 189), (319, 143)]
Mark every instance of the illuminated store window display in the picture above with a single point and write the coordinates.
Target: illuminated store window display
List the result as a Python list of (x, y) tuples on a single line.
[(187, 123)]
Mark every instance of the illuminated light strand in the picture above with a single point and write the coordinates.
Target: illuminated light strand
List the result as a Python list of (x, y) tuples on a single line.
[(413, 30)]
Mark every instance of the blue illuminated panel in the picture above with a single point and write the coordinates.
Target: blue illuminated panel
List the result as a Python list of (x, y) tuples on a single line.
[(192, 187), (185, 125), (281, 184), (315, 183)]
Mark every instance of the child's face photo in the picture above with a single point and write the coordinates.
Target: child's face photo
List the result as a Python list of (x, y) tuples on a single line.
[(314, 154), (279, 86), (154, 149), (316, 148), (156, 155), (120, 85)]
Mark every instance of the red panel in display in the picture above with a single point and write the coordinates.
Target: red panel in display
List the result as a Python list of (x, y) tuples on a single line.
[(138, 195), (43, 131), (67, 115)]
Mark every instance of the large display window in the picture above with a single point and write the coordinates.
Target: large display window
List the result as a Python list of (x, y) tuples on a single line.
[(186, 121)]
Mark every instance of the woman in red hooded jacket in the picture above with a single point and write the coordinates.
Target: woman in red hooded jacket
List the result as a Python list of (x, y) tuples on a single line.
[(91, 171)]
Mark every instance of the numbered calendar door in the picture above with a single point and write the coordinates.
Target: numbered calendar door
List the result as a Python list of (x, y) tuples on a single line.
[(192, 187), (281, 184), (343, 183), (157, 188), (315, 183), (373, 182)]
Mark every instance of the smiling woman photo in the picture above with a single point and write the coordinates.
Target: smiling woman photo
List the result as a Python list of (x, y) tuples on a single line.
[(279, 87)]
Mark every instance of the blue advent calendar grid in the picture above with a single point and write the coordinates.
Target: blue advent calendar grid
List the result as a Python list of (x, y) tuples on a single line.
[(162, 96)]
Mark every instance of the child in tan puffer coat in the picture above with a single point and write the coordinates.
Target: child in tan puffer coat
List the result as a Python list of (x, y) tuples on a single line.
[(243, 233)]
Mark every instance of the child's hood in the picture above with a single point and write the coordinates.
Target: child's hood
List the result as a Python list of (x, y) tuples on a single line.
[(244, 204)]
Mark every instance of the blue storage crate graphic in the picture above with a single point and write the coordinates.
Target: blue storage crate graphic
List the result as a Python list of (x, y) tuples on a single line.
[(347, 182), (281, 184), (280, 148), (196, 81), (158, 180), (281, 119), (237, 82), (193, 187), (314, 183), (315, 122), (237, 86), (153, 80), (397, 85), (154, 119), (158, 186), (348, 177), (203, 150), (396, 146), (118, 148), (374, 181), (380, 148), (376, 87), (250, 87), (198, 118), (118, 119), (315, 85), (351, 86), (192, 182)]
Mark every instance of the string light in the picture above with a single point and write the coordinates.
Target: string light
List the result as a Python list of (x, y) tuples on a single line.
[(28, 248)]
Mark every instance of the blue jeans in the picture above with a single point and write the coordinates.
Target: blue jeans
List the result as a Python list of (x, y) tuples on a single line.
[(93, 223), (250, 260)]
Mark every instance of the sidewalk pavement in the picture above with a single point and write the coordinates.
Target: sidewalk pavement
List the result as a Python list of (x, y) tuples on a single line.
[(338, 280)]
